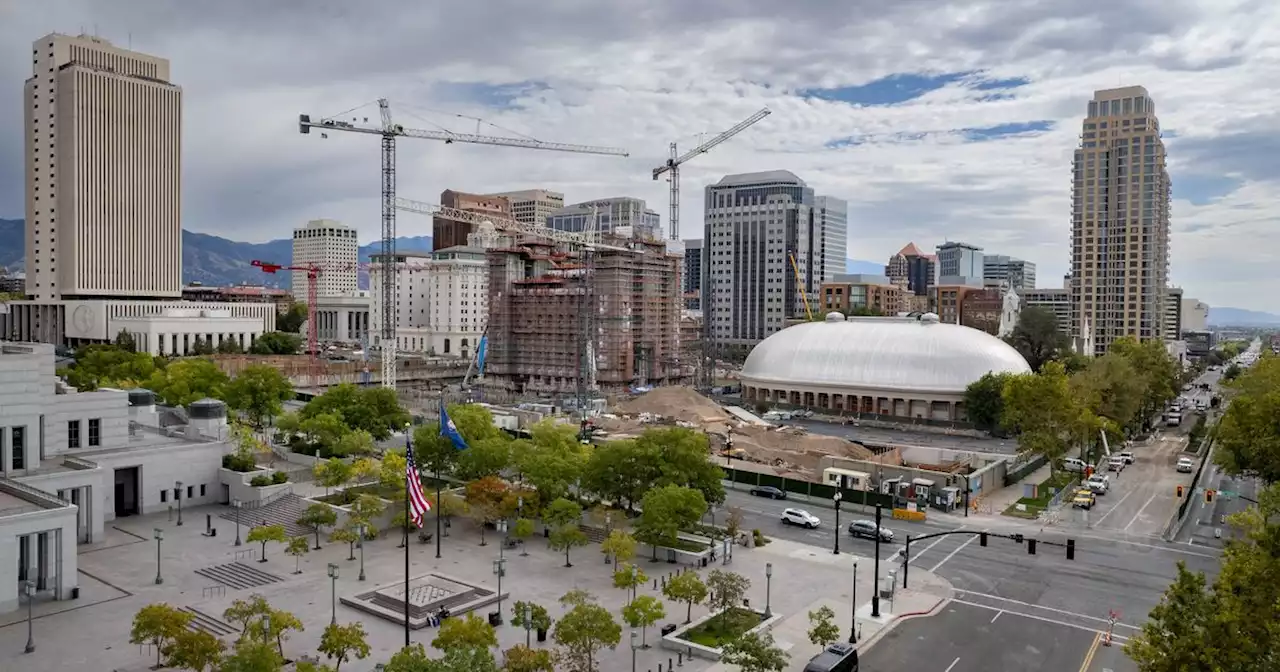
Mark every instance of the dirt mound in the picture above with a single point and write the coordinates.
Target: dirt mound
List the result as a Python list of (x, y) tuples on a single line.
[(681, 403), (794, 449)]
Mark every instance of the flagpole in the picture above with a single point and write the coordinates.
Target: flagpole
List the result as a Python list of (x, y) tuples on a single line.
[(439, 506), (408, 444)]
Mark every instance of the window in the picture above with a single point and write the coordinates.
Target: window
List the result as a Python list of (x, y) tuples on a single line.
[(202, 489), (190, 491), (18, 438), (164, 495), (73, 434), (95, 432)]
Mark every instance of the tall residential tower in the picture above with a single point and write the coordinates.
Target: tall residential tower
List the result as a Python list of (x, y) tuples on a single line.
[(1120, 221)]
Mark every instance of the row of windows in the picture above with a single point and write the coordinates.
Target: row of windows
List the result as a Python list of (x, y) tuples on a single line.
[(177, 494)]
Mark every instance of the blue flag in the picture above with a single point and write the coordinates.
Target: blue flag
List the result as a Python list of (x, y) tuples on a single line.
[(480, 353), (449, 430)]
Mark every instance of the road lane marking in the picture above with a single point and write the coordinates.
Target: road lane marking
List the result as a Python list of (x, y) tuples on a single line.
[(937, 541), (1139, 513), (1093, 650), (993, 618), (1042, 619), (953, 553), (1113, 509), (1036, 606), (1153, 547), (952, 665)]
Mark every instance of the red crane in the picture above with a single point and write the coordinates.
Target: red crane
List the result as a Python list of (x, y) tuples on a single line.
[(313, 339)]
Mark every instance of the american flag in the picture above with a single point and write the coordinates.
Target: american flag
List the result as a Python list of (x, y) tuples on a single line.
[(418, 504)]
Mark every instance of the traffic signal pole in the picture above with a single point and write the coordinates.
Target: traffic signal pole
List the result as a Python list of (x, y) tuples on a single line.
[(1018, 538)]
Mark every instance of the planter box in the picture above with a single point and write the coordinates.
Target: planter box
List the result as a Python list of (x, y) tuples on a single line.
[(238, 487), (673, 642), (382, 522), (679, 556)]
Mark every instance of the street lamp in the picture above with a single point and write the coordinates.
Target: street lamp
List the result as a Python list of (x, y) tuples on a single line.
[(500, 568), (236, 503), (836, 498), (853, 607), (158, 534), (363, 532), (635, 644), (525, 615), (768, 588), (29, 588), (875, 581), (608, 528), (333, 592), (177, 494)]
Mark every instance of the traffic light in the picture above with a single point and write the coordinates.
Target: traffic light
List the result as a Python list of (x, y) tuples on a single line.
[(1031, 547), (1179, 492), (1017, 538), (982, 538), (1208, 496), (1071, 549)]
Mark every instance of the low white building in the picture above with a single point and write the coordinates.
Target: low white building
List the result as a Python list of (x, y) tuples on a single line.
[(70, 462), (345, 318), (159, 327)]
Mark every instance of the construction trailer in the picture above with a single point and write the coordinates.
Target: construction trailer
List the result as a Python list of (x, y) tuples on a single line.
[(584, 321)]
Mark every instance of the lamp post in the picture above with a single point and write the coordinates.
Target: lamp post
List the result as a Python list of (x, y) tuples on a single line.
[(768, 588), (364, 529), (177, 494), (635, 644), (236, 503), (502, 562), (158, 535), (836, 498), (333, 593), (525, 615), (875, 581), (853, 607), (500, 568), (608, 528), (29, 588)]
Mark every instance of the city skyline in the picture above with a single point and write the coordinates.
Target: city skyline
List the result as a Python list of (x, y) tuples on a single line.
[(972, 148)]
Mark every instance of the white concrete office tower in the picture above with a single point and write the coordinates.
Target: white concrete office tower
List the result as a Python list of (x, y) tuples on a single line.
[(532, 206), (830, 245), (1001, 269), (103, 129), (413, 299), (960, 260), (1195, 315), (1119, 220), (334, 248), (612, 216), (754, 224), (443, 300)]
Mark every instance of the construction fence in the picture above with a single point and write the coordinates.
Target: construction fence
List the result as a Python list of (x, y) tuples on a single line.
[(808, 489)]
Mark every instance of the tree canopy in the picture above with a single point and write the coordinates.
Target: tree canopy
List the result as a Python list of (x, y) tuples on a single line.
[(1248, 436), (376, 410), (1037, 337)]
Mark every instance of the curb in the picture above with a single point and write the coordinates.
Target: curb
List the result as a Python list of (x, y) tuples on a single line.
[(866, 644)]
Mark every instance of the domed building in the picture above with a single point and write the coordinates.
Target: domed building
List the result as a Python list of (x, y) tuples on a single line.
[(911, 367)]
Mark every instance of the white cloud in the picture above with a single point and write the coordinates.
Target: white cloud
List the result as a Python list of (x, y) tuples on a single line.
[(642, 74)]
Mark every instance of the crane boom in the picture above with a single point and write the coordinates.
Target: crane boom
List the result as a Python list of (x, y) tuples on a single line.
[(305, 124), (672, 165), (502, 223)]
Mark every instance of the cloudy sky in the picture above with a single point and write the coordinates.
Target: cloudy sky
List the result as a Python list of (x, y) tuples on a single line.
[(935, 120)]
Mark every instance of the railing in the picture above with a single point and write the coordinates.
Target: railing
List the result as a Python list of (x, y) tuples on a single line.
[(34, 495), (78, 463), (265, 501)]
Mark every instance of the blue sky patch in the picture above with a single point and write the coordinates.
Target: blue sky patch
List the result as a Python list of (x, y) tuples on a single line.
[(1012, 128), (997, 84), (891, 90), (1203, 189), (498, 96)]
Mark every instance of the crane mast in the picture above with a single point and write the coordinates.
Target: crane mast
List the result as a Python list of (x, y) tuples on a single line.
[(672, 166), (388, 131)]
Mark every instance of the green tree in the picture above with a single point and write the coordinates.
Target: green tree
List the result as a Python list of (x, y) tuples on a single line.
[(245, 612), (484, 458), (196, 650), (682, 460), (643, 612), (252, 656), (686, 587), (522, 530), (291, 320), (1036, 336), (159, 625), (564, 517), (297, 547), (348, 536), (485, 499), (726, 591), (341, 642), (1041, 409), (984, 400), (187, 381), (628, 577), (364, 511), (317, 515), (552, 460), (276, 343), (259, 392), (537, 616), (621, 471), (521, 658), (667, 510), (374, 409), (1232, 372), (1159, 372), (99, 366), (201, 347), (755, 652), (229, 346), (1248, 437), (619, 545), (124, 341), (332, 473), (566, 538), (465, 632), (266, 533), (822, 627), (324, 431), (585, 629)]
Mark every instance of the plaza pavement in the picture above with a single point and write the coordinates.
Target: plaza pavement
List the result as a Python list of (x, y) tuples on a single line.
[(118, 578)]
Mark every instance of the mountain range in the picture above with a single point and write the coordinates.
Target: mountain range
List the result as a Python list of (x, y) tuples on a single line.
[(214, 261)]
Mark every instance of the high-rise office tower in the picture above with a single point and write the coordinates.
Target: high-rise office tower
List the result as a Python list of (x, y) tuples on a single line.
[(334, 248), (446, 232), (959, 260), (830, 244), (691, 278), (1001, 269), (532, 206), (610, 216), (103, 172), (755, 224), (1120, 221)]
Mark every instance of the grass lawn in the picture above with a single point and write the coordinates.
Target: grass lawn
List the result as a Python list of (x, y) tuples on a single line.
[(722, 629), (1035, 505)]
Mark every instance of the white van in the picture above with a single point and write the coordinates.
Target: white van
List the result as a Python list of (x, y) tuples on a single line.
[(1075, 464)]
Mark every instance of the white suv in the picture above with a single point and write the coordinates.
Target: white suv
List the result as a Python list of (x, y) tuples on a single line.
[(1186, 465), (800, 517)]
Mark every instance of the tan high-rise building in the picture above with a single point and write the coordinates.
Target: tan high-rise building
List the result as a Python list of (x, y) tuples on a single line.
[(533, 206), (1120, 221), (104, 167), (446, 232)]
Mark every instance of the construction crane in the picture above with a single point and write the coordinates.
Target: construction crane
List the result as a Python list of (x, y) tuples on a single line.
[(504, 224), (313, 341), (672, 165), (389, 131)]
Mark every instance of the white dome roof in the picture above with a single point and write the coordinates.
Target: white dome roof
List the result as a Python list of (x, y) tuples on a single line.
[(896, 353)]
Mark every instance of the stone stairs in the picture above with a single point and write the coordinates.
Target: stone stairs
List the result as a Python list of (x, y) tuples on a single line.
[(284, 512), (594, 534), (202, 622), (238, 576)]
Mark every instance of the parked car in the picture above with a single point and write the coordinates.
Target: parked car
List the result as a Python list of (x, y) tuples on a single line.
[(800, 517), (1128, 456), (1116, 464), (1099, 483), (1076, 464), (769, 491), (1083, 499), (837, 657), (867, 530), (1186, 465)]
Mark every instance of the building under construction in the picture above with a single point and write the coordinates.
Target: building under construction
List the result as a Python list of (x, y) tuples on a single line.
[(580, 321)]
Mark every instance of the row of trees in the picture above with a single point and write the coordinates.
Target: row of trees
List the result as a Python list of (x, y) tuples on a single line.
[(1229, 623), (1118, 394)]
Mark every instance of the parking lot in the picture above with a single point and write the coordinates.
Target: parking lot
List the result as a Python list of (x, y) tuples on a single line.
[(972, 637)]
